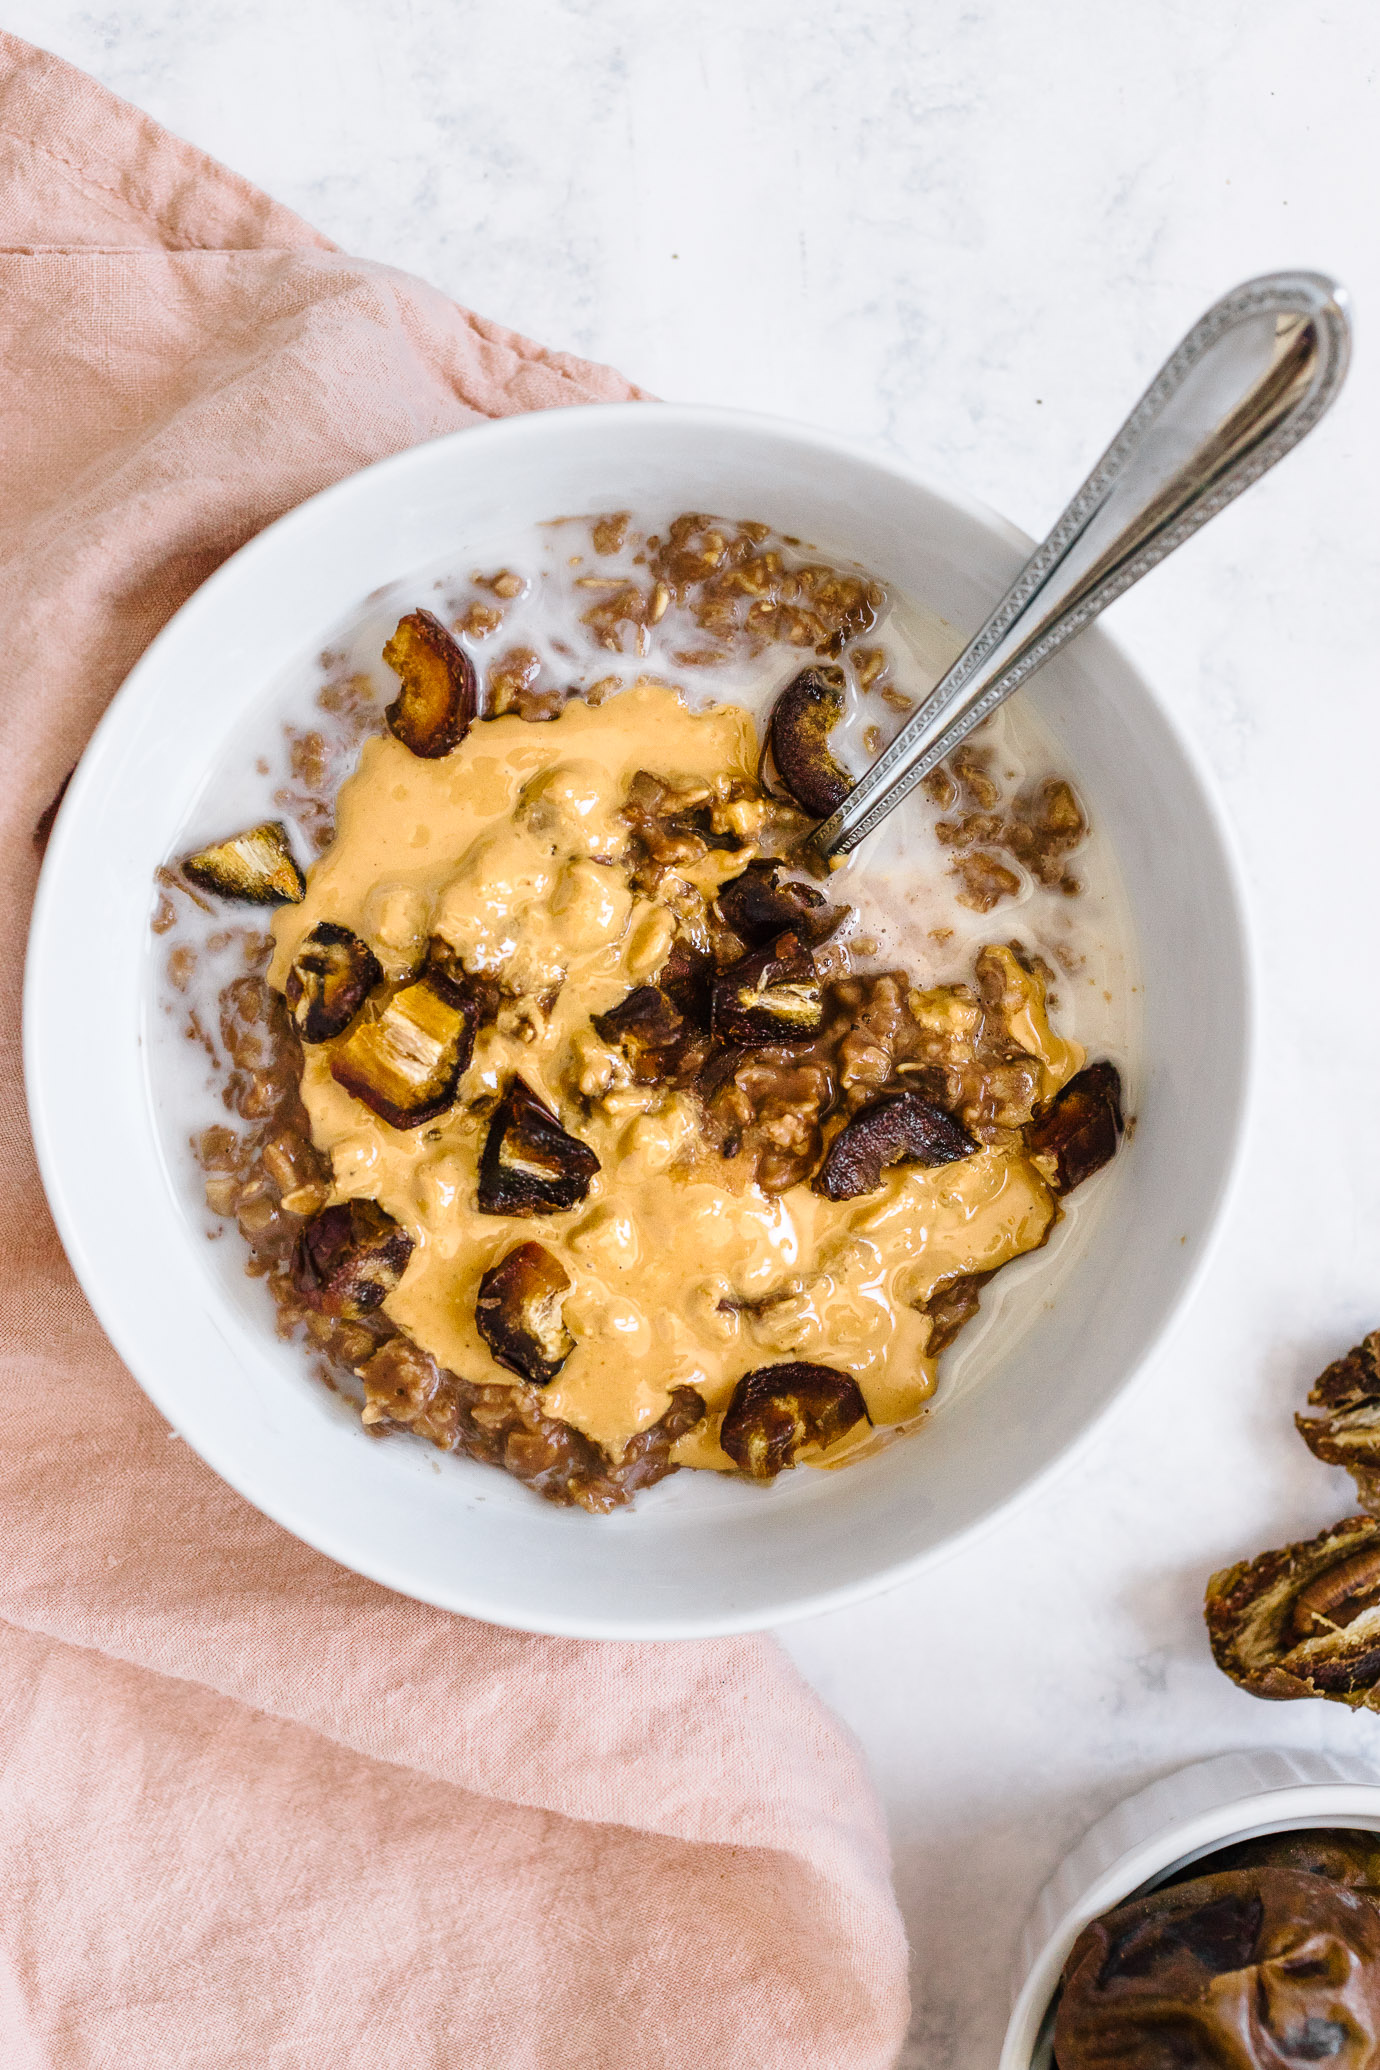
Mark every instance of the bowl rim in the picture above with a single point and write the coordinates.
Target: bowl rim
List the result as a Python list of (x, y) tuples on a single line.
[(1224, 1799), (63, 1194)]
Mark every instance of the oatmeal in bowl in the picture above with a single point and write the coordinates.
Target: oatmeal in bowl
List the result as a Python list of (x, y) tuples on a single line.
[(568, 938), (572, 1113)]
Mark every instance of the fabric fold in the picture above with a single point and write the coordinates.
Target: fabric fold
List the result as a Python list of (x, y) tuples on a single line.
[(253, 1807)]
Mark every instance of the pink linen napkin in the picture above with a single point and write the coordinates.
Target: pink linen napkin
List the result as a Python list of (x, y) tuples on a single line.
[(252, 1808)]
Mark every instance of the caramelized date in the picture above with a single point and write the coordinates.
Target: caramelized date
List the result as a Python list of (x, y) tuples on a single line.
[(685, 977), (649, 1029), (256, 868), (349, 1259), (482, 996), (1305, 1620), (518, 1313), (406, 1063), (1078, 1133), (898, 1128), (777, 1411), (803, 717), (440, 693), (332, 975), (1261, 1966), (951, 1304), (660, 818), (530, 1165), (769, 998), (758, 907), (1348, 1431)]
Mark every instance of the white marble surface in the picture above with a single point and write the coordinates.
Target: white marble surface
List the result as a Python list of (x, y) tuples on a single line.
[(967, 230)]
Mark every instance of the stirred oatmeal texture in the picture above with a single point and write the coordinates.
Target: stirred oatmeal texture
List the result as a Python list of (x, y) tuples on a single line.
[(569, 1132)]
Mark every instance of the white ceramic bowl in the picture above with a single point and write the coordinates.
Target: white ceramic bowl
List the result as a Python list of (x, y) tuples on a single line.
[(1146, 1838), (697, 1554)]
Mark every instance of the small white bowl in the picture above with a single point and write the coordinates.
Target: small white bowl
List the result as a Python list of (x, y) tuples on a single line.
[(1174, 1822), (698, 1554)]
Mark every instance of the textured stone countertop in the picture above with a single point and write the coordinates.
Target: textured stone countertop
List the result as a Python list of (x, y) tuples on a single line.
[(966, 231)]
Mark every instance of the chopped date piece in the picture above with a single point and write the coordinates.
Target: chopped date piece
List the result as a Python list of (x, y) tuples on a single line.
[(951, 1304), (484, 994), (898, 1128), (1079, 1131), (332, 975), (718, 1071), (349, 1259), (758, 907), (649, 1028), (659, 817), (1348, 1432), (773, 997), (530, 1165), (685, 978), (407, 1062), (440, 694), (1241, 1968), (1305, 1620), (777, 1411), (803, 717), (256, 867), (518, 1313)]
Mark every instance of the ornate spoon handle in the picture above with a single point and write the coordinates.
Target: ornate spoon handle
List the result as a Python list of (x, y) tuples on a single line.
[(1252, 376)]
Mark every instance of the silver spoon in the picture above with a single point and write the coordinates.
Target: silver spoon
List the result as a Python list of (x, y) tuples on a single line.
[(1252, 376)]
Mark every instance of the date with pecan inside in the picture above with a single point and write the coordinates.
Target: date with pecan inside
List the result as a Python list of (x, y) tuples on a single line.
[(1304, 1620)]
